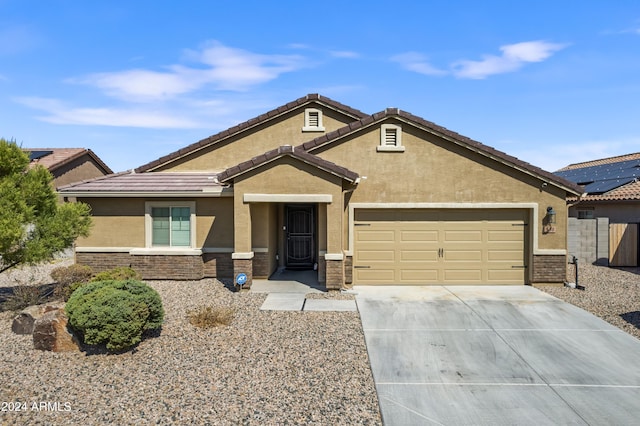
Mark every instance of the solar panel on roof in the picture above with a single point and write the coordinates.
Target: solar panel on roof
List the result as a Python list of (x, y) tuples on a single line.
[(603, 177), (34, 155)]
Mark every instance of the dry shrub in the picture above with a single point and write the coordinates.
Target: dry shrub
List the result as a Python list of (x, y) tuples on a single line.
[(69, 278), (209, 316), (23, 297)]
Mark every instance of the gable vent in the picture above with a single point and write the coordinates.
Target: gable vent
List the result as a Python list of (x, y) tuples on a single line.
[(314, 119), (390, 137)]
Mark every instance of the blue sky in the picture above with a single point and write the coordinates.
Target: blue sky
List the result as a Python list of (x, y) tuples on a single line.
[(550, 82)]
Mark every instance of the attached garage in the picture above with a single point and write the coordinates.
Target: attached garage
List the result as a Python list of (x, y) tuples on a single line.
[(440, 246)]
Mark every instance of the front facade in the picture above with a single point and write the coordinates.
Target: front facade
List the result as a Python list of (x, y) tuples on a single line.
[(387, 198)]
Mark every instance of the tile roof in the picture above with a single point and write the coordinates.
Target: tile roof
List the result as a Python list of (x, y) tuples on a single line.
[(611, 179), (159, 182), (602, 161), (58, 157), (313, 97), (287, 150), (476, 146)]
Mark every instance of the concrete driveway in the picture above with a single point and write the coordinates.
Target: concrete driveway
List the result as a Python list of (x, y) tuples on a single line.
[(496, 356)]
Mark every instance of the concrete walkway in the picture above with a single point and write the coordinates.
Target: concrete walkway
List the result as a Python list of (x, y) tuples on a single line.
[(496, 356), (287, 291)]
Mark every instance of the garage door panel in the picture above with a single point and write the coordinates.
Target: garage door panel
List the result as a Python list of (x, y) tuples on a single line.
[(374, 235), (419, 256), (416, 246), (427, 276), (377, 276), (461, 235), (421, 236), (506, 276), (504, 235), (463, 255), (466, 276), (376, 256)]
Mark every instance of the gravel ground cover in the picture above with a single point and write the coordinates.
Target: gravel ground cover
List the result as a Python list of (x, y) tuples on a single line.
[(612, 294), (264, 368)]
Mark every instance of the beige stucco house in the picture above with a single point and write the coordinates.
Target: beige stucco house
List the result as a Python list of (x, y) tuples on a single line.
[(388, 198)]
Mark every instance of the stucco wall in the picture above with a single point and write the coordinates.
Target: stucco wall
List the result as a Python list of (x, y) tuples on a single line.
[(285, 130), (80, 169), (618, 212), (432, 170)]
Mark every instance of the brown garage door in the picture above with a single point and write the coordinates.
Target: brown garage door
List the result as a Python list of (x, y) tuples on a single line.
[(413, 246)]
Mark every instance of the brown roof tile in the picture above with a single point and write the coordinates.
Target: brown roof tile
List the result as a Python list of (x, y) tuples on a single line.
[(314, 97), (61, 156), (287, 150), (609, 160), (146, 182)]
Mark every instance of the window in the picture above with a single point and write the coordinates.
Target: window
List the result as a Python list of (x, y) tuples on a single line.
[(170, 224), (390, 138), (586, 214), (313, 120)]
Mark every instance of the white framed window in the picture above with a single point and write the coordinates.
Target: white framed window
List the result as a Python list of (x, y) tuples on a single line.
[(170, 224), (390, 138), (313, 120)]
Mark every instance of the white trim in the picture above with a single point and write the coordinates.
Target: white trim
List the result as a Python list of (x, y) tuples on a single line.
[(242, 255), (334, 256), (549, 252), (217, 249), (307, 127), (288, 198), (104, 249), (382, 148), (397, 147), (148, 222), (165, 251), (260, 249)]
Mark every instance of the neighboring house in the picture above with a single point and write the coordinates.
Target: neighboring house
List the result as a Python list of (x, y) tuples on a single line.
[(388, 198), (68, 165), (604, 220)]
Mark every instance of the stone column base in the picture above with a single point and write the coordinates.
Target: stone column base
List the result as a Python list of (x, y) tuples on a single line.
[(334, 274), (244, 266)]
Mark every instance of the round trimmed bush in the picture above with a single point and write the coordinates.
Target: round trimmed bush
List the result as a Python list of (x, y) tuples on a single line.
[(114, 313)]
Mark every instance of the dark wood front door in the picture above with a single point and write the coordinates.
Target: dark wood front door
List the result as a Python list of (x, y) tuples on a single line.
[(300, 236)]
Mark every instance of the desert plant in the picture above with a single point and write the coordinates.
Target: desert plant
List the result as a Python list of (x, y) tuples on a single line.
[(68, 278), (22, 297), (122, 273), (114, 313), (209, 316)]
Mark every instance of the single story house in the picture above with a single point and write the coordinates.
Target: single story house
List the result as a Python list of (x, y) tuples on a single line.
[(388, 198), (604, 221), (68, 165)]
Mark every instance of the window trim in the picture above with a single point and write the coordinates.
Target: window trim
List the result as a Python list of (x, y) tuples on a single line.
[(383, 147), (148, 223), (307, 120)]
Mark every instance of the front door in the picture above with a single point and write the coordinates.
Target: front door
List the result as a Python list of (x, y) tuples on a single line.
[(300, 236)]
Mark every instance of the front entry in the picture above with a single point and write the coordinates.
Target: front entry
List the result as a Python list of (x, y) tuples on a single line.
[(300, 241)]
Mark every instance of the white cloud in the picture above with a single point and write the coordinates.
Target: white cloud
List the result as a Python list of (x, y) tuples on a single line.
[(514, 56), (218, 66), (344, 54), (417, 62), (59, 113)]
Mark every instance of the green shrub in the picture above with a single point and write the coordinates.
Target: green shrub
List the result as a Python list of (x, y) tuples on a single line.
[(22, 297), (208, 316), (114, 313), (122, 273), (68, 278)]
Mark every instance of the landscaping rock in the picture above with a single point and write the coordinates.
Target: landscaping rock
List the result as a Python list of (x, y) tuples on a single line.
[(23, 322), (50, 333)]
